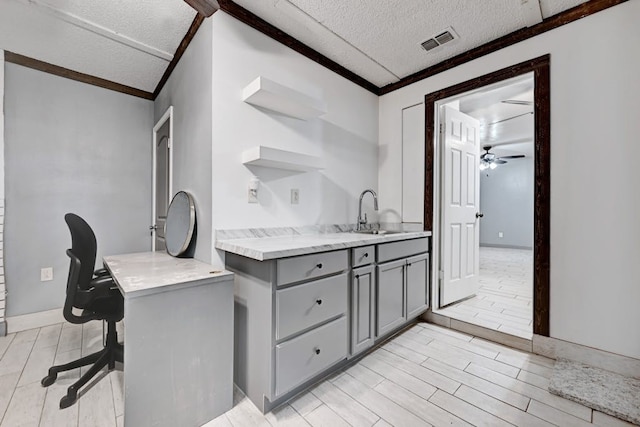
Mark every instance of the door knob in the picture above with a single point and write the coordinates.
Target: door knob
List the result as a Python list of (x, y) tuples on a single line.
[(479, 214)]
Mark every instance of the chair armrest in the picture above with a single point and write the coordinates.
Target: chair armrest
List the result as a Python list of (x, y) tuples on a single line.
[(101, 272)]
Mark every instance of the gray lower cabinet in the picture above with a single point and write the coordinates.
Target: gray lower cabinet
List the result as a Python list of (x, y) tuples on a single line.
[(390, 296), (417, 272), (291, 322), (297, 318), (363, 300), (402, 289)]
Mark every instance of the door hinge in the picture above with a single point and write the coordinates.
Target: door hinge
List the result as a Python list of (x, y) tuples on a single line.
[(169, 143), (440, 274)]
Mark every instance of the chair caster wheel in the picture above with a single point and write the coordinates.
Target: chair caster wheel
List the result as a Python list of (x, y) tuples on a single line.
[(67, 401), (48, 380)]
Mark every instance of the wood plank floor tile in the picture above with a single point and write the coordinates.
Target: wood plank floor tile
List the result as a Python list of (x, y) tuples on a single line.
[(305, 403), (604, 420), (244, 413), (429, 376), (448, 352), (52, 415), (7, 388), (467, 412), (25, 407), (531, 391), (38, 363), (285, 416), (95, 404), (365, 375), (323, 416), (534, 379), (387, 409), (5, 342), (221, 421), (403, 379), (556, 416), (484, 385), (419, 406), (16, 356), (345, 405), (500, 409), (404, 352), (48, 336)]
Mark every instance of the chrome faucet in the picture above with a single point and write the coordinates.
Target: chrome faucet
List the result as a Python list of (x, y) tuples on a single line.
[(362, 221)]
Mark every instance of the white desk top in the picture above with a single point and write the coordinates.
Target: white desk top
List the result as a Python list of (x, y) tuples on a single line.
[(151, 272)]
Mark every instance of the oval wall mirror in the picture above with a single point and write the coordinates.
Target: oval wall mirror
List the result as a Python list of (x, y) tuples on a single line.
[(180, 224)]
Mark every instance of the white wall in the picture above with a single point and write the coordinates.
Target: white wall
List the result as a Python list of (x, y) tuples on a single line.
[(506, 200), (189, 91), (346, 137), (595, 202), (69, 147)]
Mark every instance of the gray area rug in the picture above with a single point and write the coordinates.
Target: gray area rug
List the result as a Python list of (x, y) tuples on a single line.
[(598, 389)]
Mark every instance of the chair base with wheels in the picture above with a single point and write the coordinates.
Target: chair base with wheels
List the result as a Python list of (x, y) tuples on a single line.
[(108, 356)]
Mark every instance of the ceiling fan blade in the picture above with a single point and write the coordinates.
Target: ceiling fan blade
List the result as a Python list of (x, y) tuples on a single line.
[(500, 162), (517, 156)]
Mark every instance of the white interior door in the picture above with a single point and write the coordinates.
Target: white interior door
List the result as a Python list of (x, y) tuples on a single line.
[(162, 161), (459, 253)]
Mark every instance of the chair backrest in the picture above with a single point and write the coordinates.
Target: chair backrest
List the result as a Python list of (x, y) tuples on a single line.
[(83, 259), (84, 247)]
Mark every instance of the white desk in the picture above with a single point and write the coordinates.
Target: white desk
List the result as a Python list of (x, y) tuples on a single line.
[(178, 345)]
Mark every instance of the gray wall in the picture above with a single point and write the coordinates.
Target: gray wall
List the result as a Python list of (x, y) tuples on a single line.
[(506, 200), (70, 147), (189, 91)]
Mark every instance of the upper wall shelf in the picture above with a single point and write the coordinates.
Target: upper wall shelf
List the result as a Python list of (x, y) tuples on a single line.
[(273, 96), (280, 159)]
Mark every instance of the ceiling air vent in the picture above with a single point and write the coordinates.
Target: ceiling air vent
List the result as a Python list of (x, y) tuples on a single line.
[(443, 37)]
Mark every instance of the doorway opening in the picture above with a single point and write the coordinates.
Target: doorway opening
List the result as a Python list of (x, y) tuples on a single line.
[(489, 252), (161, 178)]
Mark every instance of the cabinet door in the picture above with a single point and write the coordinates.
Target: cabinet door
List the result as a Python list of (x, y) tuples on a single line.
[(417, 271), (391, 296), (362, 308)]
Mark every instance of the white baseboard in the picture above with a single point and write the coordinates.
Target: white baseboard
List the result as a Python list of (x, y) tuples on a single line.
[(478, 331), (556, 348), (34, 320)]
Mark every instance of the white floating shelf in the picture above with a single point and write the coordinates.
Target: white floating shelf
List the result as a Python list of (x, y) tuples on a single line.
[(280, 159), (273, 96)]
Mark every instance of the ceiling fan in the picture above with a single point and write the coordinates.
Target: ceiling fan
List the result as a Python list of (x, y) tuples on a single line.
[(491, 161)]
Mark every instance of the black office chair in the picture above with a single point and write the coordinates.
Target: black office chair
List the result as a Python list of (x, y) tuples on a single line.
[(95, 293)]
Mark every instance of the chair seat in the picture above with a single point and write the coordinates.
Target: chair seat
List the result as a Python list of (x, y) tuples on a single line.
[(108, 308)]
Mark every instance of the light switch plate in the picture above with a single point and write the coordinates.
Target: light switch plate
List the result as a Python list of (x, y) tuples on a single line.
[(46, 274)]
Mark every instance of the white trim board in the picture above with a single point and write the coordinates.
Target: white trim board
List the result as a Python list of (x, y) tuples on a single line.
[(34, 320), (555, 348)]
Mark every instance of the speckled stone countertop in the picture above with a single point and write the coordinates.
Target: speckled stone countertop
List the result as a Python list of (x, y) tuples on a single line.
[(145, 273), (266, 244)]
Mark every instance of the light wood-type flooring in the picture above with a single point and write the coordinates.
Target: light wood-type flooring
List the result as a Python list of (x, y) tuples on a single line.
[(504, 301), (426, 376)]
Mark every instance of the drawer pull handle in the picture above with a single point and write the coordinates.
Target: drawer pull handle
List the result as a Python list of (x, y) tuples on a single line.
[(366, 254), (357, 276), (319, 265), (317, 350), (319, 301)]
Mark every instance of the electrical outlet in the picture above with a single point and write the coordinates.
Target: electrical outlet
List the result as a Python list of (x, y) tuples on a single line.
[(295, 196), (46, 274), (252, 196), (500, 234)]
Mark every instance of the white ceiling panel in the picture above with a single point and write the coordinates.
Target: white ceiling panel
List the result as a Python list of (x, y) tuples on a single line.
[(391, 31), (293, 21)]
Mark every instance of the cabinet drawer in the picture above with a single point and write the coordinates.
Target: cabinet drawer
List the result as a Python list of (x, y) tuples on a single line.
[(402, 249), (308, 304), (363, 255), (303, 357), (296, 269)]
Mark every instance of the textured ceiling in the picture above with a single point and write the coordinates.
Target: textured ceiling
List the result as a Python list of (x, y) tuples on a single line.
[(131, 42), (387, 34)]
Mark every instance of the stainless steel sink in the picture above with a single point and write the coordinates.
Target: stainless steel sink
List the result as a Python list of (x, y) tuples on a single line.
[(381, 232)]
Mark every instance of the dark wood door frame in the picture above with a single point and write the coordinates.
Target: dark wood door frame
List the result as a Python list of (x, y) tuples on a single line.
[(542, 170)]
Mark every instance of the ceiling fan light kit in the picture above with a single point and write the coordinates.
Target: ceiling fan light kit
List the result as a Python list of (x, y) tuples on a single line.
[(489, 160)]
